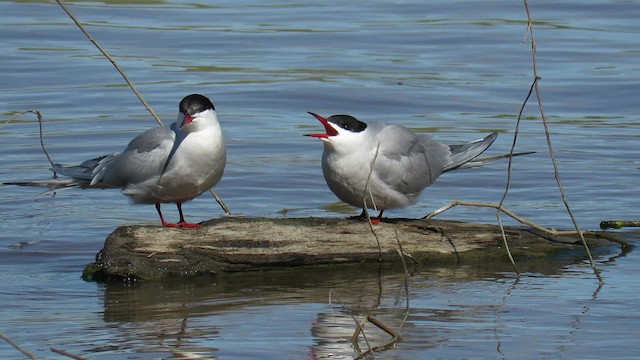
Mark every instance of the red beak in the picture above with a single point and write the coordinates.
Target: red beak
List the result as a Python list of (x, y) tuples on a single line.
[(187, 120), (328, 128)]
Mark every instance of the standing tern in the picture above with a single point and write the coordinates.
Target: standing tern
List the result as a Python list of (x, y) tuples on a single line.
[(404, 163), (162, 165)]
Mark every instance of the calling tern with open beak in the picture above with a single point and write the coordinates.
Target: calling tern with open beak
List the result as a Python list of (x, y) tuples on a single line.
[(404, 163)]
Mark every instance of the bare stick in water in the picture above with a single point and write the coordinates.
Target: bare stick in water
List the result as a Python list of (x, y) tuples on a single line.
[(359, 324), (618, 224), (509, 172), (395, 334), (552, 232), (40, 120), (16, 346), (367, 189), (549, 145), (64, 353)]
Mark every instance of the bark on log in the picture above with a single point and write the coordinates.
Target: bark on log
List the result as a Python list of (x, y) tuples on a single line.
[(233, 244)]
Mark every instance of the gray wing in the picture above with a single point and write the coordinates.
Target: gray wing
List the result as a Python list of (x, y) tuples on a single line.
[(463, 153), (143, 159), (408, 162)]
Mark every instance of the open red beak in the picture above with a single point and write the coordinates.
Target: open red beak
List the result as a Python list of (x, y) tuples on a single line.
[(186, 120), (328, 128)]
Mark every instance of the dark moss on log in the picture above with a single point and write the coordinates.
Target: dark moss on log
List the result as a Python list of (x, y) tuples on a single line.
[(235, 244)]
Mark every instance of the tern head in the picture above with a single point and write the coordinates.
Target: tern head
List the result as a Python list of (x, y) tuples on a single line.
[(193, 108), (340, 129)]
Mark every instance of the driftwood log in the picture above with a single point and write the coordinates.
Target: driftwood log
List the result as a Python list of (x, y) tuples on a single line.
[(234, 244)]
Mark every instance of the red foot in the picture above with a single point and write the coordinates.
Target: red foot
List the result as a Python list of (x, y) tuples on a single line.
[(363, 217), (187, 225), (374, 220), (181, 225)]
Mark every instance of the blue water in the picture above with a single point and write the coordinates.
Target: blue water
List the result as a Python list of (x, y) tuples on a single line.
[(457, 69)]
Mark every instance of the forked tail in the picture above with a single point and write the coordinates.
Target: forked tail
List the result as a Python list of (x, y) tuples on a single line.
[(463, 153), (79, 176)]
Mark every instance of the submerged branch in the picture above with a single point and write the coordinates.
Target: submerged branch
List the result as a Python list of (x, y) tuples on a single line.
[(67, 354), (618, 224), (16, 346), (40, 120), (552, 232), (547, 133)]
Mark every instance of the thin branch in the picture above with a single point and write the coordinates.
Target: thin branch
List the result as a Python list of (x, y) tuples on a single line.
[(406, 293), (552, 232), (359, 326), (64, 353), (509, 172), (406, 273), (380, 324), (367, 187), (113, 61), (551, 152), (375, 236), (40, 120), (16, 346), (366, 190), (395, 334), (500, 208), (359, 330), (44, 148), (6, 123), (220, 201)]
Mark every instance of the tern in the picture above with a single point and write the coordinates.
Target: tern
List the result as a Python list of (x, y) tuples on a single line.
[(171, 164), (382, 166)]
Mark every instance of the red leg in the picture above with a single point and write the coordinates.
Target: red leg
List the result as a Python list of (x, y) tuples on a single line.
[(376, 220), (183, 223), (363, 216), (164, 223)]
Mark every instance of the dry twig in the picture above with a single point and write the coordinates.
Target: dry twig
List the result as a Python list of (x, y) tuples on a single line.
[(64, 353), (499, 207), (395, 334), (549, 145), (40, 120), (509, 172), (548, 231), (359, 324), (16, 346), (367, 189)]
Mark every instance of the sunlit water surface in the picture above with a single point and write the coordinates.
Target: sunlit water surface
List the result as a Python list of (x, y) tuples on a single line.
[(456, 69)]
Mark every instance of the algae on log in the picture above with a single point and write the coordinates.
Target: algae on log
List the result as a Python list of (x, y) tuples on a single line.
[(235, 244)]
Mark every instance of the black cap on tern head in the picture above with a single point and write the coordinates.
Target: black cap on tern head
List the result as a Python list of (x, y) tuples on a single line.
[(348, 123), (195, 103)]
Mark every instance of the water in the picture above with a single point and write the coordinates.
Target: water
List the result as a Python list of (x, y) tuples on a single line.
[(458, 69)]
